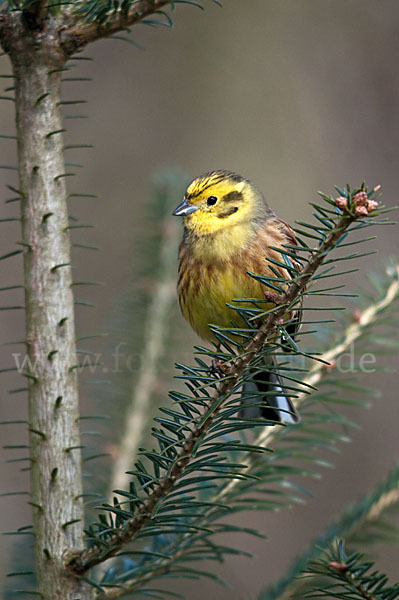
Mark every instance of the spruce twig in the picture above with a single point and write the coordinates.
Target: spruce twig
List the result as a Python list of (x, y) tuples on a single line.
[(353, 332), (367, 510), (349, 577), (77, 33), (82, 562)]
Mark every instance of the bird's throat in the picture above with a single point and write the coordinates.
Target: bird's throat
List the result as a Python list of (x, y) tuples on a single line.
[(221, 244)]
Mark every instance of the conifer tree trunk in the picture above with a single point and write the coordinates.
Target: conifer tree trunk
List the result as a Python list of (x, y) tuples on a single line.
[(50, 332)]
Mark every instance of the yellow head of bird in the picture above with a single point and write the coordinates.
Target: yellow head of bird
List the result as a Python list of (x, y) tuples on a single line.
[(218, 200)]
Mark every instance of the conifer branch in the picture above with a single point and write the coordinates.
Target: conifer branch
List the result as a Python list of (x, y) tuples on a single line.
[(353, 332), (77, 33), (83, 561), (366, 511), (349, 577)]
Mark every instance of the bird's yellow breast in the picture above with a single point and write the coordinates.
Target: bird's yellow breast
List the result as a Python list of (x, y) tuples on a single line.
[(207, 292), (213, 272)]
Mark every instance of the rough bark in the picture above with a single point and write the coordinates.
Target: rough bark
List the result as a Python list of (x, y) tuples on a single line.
[(56, 478)]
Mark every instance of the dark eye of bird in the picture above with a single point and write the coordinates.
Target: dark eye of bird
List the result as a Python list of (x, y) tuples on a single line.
[(211, 200)]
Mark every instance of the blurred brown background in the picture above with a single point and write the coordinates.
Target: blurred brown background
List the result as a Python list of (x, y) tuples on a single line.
[(296, 95)]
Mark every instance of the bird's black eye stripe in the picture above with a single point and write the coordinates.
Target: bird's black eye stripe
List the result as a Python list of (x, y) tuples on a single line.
[(233, 196), (211, 200)]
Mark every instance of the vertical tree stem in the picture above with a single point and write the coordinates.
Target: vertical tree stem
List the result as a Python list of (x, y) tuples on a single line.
[(56, 477)]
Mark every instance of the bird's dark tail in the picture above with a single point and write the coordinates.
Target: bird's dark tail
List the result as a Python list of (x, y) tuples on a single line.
[(274, 405)]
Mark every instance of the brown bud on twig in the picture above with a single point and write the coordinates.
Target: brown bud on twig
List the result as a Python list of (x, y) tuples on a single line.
[(371, 205), (360, 198), (361, 211), (341, 202), (339, 567)]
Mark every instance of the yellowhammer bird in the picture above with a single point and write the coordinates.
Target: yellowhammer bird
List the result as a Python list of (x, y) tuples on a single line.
[(228, 231)]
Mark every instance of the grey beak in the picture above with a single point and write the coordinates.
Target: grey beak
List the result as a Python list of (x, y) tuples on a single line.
[(184, 209)]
